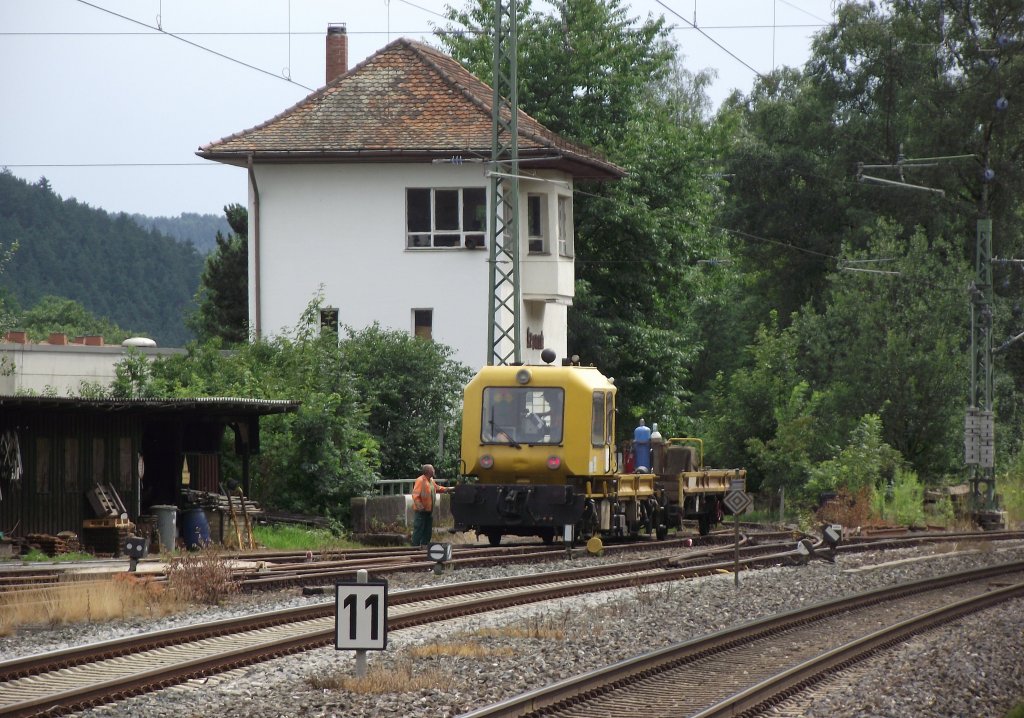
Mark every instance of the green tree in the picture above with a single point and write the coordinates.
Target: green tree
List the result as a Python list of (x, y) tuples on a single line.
[(892, 341), (597, 76), (865, 462), (57, 314), (372, 403), (222, 302), (412, 389)]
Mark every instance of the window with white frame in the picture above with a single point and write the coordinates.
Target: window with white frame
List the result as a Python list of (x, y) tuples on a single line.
[(536, 223), (445, 218), (565, 226)]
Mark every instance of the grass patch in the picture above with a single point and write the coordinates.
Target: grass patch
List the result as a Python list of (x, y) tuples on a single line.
[(545, 627), (458, 650), (77, 601), (289, 537), (1016, 712), (397, 678), (537, 631)]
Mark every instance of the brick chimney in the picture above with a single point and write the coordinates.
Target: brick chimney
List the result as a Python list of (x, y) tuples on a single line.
[(16, 337), (57, 339), (337, 51)]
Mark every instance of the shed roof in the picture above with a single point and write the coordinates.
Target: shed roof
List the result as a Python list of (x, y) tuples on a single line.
[(408, 102), (208, 405)]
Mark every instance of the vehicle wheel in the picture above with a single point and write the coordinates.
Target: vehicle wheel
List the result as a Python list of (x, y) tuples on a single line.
[(661, 532), (494, 538), (548, 537)]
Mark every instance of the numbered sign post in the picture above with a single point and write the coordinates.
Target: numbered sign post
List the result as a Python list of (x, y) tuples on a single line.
[(361, 618), (738, 501)]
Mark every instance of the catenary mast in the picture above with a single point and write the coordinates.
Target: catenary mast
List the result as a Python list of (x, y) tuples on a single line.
[(503, 334)]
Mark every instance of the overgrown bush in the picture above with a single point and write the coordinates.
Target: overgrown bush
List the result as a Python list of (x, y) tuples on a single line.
[(203, 576), (1010, 487), (901, 502), (849, 509)]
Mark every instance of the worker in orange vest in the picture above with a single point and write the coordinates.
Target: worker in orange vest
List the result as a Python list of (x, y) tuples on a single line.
[(423, 493)]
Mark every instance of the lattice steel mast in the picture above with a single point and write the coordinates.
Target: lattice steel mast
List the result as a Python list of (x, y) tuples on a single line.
[(979, 427), (503, 335)]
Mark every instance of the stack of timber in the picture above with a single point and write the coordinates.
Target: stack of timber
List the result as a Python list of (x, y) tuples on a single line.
[(220, 502), (65, 542), (286, 517)]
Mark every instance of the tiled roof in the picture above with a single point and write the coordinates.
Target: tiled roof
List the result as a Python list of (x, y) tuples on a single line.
[(407, 102)]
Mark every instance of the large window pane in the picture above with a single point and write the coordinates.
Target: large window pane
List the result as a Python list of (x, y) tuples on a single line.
[(533, 215), (446, 209), (517, 415), (474, 209), (418, 210), (564, 227)]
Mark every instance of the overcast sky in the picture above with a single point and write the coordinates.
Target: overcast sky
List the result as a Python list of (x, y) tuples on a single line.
[(112, 110)]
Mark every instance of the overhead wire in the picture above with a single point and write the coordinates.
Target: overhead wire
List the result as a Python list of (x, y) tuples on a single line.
[(726, 50), (160, 30)]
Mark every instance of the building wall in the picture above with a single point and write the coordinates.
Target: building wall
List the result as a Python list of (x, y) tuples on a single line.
[(342, 228), (61, 369)]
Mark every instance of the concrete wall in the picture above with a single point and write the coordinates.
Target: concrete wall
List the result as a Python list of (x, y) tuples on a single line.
[(61, 369), (374, 514)]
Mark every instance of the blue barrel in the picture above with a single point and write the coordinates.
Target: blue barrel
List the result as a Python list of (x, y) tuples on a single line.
[(642, 447), (195, 529)]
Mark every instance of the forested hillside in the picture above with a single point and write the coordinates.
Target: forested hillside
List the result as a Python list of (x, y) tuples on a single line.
[(200, 230), (140, 280)]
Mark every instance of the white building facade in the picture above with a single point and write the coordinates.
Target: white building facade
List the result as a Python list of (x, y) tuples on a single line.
[(353, 195)]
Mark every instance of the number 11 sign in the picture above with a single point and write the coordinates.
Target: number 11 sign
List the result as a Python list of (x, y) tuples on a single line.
[(361, 612)]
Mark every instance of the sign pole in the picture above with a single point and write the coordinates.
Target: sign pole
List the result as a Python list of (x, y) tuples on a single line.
[(361, 577), (736, 567)]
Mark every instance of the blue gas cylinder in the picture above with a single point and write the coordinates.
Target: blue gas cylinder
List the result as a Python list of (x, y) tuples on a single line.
[(642, 447)]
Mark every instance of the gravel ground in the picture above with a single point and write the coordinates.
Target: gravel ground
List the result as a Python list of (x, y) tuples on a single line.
[(970, 668)]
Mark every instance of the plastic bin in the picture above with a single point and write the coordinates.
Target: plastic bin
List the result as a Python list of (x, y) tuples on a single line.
[(166, 525)]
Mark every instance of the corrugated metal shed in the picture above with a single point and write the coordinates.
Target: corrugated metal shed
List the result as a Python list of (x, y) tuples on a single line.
[(54, 450)]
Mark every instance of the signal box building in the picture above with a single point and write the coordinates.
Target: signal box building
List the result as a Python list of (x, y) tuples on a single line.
[(375, 189)]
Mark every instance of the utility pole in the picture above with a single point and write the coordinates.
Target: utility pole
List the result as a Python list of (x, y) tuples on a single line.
[(979, 424), (503, 334)]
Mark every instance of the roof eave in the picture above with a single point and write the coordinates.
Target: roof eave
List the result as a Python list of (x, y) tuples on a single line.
[(578, 166)]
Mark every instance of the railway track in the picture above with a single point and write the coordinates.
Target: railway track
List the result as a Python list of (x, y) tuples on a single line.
[(101, 674), (54, 683), (779, 655), (273, 570)]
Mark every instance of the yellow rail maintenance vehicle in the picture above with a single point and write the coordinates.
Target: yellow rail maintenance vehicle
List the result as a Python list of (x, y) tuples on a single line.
[(540, 442)]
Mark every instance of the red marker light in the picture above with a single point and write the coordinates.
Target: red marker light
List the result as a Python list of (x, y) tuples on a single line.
[(554, 463), (486, 461)]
